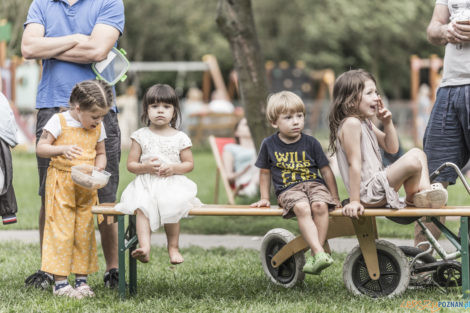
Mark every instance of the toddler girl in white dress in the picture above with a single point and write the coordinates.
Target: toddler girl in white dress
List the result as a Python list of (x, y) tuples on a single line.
[(159, 155)]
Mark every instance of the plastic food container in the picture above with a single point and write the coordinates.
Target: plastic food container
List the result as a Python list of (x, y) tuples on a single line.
[(90, 177), (462, 16)]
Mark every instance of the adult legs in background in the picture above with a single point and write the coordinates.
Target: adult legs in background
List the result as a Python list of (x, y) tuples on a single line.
[(414, 165), (41, 279), (42, 222), (447, 139), (109, 232), (419, 235), (109, 244), (42, 118)]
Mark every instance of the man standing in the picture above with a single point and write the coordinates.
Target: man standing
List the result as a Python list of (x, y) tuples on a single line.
[(447, 136), (69, 35)]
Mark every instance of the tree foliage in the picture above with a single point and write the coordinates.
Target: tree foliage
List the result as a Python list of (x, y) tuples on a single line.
[(14, 11), (378, 36)]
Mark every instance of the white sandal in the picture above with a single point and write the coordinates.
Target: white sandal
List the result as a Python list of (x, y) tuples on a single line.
[(85, 290), (435, 197)]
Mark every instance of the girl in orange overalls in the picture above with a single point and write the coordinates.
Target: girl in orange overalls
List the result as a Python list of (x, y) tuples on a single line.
[(71, 138)]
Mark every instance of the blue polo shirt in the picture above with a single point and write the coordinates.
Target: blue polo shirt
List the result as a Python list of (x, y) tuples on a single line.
[(61, 19)]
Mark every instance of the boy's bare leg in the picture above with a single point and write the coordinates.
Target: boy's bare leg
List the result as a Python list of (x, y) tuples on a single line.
[(109, 243), (172, 236), (321, 220), (307, 227), (143, 234)]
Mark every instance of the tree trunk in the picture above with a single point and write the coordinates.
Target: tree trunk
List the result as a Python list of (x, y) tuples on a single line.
[(235, 21)]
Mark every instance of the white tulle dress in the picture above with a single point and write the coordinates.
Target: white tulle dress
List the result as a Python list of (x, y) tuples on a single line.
[(163, 200)]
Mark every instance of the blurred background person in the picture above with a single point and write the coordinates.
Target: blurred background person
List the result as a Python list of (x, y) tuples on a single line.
[(239, 159), (192, 105), (219, 102)]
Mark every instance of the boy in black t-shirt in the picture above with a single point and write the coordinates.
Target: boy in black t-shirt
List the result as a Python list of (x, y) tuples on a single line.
[(292, 159)]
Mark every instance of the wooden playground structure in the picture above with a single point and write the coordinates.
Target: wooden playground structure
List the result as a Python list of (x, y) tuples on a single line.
[(315, 87), (207, 122), (208, 66), (217, 145), (313, 84), (433, 64)]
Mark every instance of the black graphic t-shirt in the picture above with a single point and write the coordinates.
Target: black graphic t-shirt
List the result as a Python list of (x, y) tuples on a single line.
[(293, 163)]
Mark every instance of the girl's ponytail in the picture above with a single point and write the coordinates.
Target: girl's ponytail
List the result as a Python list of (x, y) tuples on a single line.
[(90, 93)]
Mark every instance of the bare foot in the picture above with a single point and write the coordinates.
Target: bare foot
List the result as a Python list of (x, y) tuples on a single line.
[(175, 256), (141, 254)]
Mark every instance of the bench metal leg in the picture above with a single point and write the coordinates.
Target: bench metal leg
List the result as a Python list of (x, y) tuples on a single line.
[(132, 262), (121, 257), (465, 257)]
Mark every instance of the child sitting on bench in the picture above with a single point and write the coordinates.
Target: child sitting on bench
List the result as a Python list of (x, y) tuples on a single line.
[(292, 159), (356, 141), (159, 155)]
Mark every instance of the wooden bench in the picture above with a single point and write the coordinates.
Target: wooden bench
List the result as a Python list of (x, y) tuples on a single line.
[(364, 228)]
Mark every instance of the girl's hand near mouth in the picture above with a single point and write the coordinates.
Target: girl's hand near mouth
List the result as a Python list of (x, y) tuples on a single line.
[(383, 114)]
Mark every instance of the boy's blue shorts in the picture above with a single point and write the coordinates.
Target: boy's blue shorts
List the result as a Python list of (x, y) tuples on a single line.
[(447, 136)]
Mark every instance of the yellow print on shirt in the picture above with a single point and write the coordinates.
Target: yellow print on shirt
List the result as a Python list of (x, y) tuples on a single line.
[(293, 168)]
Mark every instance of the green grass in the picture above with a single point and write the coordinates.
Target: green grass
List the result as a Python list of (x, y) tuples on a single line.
[(215, 280), (26, 185)]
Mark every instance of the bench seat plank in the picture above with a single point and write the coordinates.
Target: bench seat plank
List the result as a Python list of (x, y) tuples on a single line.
[(208, 209), (246, 210), (412, 211)]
